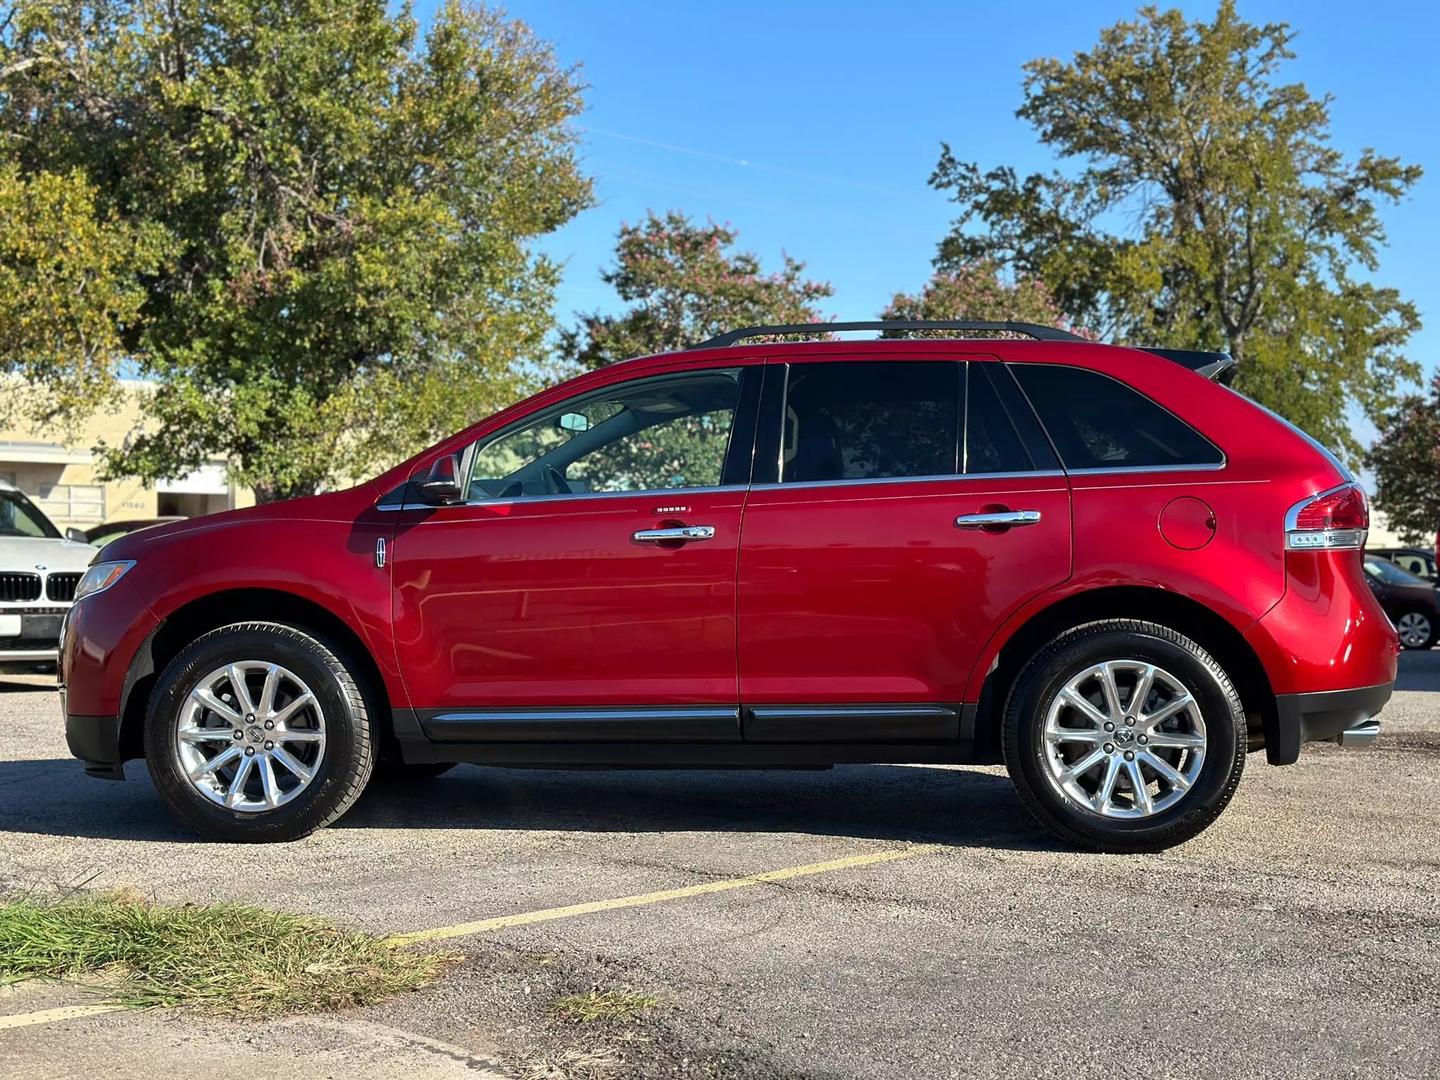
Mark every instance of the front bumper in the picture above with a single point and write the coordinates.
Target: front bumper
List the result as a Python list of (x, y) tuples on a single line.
[(95, 740), (1343, 715)]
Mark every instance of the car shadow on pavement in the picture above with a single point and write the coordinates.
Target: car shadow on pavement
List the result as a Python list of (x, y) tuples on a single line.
[(54, 797), (892, 802), (12, 685)]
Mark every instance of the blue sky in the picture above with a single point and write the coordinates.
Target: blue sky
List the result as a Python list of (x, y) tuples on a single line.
[(812, 127)]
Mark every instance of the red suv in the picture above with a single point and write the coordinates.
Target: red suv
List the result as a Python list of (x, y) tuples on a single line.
[(1096, 564)]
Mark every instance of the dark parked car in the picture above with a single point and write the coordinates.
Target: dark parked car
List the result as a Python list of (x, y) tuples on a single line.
[(1415, 561), (100, 535), (1412, 603)]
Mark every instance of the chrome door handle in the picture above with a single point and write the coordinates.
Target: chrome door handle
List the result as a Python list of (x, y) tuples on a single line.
[(1002, 518), (682, 533)]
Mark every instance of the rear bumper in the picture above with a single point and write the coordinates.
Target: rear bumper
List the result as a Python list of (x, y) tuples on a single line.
[(95, 740), (1345, 715)]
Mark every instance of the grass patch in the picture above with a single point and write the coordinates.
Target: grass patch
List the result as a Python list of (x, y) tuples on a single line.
[(223, 958), (596, 1006)]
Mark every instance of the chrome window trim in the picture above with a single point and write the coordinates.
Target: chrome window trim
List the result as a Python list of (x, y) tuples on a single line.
[(650, 492), (1048, 474), (1038, 474), (1111, 471)]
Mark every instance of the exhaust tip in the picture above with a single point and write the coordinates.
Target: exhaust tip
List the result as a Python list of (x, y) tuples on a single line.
[(1360, 735)]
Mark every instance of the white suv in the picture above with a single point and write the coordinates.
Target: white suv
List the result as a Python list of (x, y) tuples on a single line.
[(39, 569)]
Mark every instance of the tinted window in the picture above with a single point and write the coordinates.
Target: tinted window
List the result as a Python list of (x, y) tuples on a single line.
[(647, 435), (1418, 565), (869, 421), (991, 442), (1096, 422), (19, 517), (1389, 573)]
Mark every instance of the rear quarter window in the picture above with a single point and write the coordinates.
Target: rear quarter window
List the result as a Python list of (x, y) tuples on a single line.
[(1097, 422)]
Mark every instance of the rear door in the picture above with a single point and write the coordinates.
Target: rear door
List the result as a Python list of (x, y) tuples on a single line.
[(900, 513)]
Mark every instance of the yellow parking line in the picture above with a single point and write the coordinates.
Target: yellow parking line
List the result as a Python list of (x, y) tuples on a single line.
[(483, 926), (50, 1016)]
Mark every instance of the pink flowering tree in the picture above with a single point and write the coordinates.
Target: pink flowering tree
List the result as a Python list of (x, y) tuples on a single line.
[(978, 290)]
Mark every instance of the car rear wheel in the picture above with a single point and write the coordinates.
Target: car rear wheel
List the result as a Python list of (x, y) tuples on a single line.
[(1124, 736), (1417, 630), (258, 731)]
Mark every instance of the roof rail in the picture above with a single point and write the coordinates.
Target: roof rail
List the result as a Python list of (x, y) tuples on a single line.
[(1039, 333)]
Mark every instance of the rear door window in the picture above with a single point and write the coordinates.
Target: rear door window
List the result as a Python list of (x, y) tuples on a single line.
[(1001, 433), (1097, 422), (871, 421)]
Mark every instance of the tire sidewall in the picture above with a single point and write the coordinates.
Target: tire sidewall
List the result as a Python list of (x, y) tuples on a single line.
[(1224, 728), (346, 735)]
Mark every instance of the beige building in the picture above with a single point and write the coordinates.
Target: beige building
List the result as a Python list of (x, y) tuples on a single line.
[(61, 475)]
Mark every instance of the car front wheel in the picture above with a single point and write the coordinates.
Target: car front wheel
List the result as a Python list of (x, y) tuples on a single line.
[(1124, 736), (258, 731)]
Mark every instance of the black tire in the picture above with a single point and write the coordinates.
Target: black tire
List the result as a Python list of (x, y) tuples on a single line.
[(1071, 653), (341, 772), (1430, 620), (391, 771)]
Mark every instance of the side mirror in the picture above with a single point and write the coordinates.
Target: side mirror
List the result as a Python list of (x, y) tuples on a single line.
[(76, 535), (440, 486)]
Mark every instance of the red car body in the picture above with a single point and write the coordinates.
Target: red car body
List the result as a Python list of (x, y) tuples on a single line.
[(858, 594)]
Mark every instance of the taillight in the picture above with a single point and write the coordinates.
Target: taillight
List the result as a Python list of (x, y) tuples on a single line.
[(1338, 518)]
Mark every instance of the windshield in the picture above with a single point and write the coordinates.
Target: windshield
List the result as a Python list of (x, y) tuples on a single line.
[(20, 517), (1389, 573)]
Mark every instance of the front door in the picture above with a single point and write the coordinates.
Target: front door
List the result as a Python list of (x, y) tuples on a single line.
[(586, 588), (911, 514)]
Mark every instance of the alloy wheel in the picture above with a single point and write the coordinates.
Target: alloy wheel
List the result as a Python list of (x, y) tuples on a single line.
[(1124, 739), (1414, 629), (250, 736)]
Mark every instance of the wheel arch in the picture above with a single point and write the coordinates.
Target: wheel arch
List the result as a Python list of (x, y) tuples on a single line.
[(1212, 631), (216, 609)]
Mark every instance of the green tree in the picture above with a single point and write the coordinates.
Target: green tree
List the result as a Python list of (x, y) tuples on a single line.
[(1201, 205), (684, 283), (344, 213), (69, 286), (1406, 462), (979, 291)]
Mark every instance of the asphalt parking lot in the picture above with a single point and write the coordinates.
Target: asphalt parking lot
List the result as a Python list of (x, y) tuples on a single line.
[(931, 930)]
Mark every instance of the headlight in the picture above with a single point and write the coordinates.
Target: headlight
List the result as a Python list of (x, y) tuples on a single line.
[(100, 577)]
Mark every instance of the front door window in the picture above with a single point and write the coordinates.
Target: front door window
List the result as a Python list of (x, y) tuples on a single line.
[(649, 435)]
